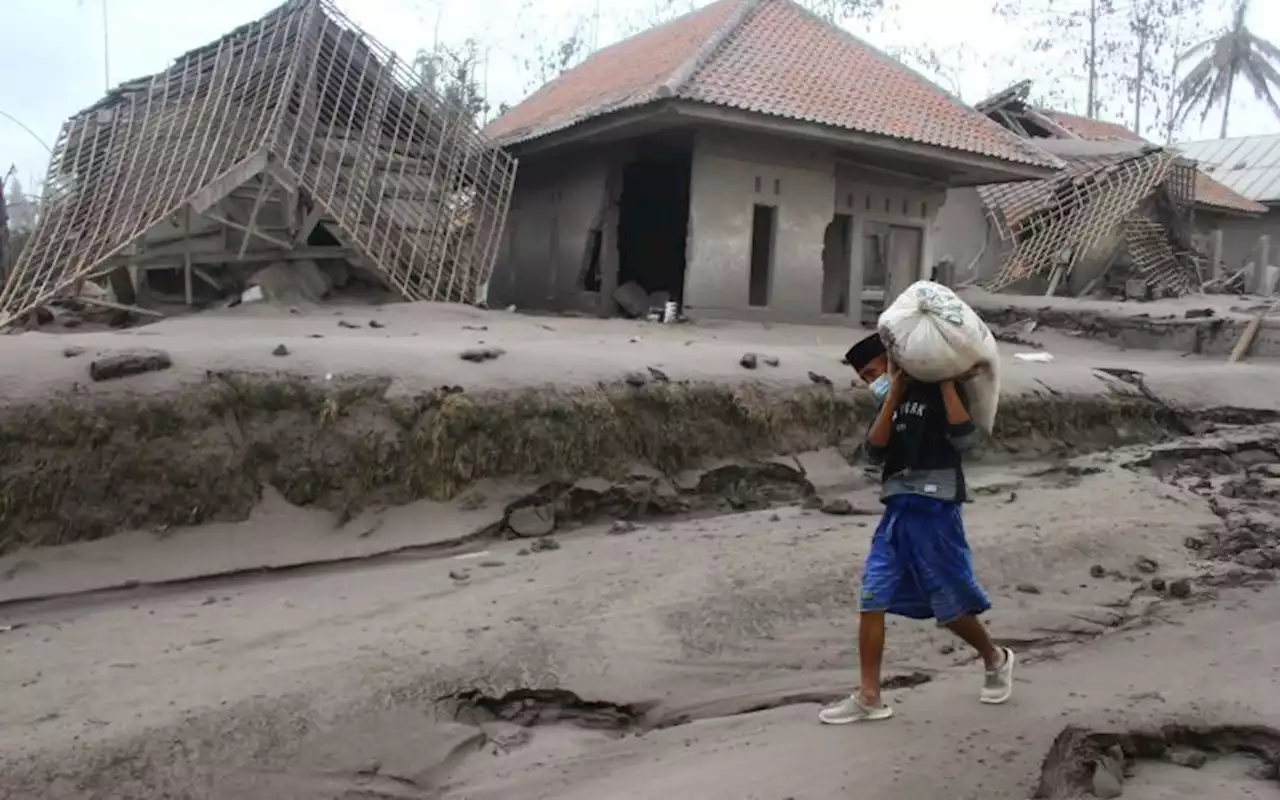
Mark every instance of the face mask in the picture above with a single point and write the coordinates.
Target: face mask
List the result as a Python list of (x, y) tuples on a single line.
[(880, 388)]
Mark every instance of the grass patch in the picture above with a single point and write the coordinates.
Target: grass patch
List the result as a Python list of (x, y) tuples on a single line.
[(82, 467)]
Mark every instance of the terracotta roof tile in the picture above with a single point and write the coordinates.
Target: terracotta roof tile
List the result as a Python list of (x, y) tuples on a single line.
[(622, 75), (1209, 192), (774, 58), (1095, 129)]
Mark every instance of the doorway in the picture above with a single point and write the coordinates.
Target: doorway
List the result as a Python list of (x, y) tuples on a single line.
[(891, 257), (837, 264), (653, 215)]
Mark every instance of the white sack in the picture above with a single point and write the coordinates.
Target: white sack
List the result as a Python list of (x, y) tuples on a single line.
[(934, 336)]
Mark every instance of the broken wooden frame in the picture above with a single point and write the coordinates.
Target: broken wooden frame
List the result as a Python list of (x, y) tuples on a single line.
[(1146, 199), (298, 117)]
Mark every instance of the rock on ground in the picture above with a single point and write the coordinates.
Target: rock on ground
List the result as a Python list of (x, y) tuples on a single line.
[(127, 363)]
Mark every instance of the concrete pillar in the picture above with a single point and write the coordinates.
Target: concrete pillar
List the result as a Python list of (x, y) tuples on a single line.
[(1216, 267), (1259, 277), (857, 232)]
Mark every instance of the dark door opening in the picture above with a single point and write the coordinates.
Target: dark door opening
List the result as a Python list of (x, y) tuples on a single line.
[(837, 264), (653, 216), (763, 224)]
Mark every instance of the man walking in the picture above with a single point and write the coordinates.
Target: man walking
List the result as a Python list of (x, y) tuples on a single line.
[(919, 565)]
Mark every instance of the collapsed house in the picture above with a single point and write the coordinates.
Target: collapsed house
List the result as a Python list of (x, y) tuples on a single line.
[(295, 141), (1121, 214)]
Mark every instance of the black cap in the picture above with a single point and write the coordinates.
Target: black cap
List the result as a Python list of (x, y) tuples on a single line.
[(864, 352)]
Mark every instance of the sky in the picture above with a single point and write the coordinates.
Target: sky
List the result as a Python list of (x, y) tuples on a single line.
[(52, 63)]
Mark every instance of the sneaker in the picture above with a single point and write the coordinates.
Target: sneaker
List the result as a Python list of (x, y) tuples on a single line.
[(998, 686), (852, 709)]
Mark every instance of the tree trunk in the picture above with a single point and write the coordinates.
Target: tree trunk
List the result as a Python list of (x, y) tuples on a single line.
[(1142, 73), (4, 237), (1226, 106), (1092, 91)]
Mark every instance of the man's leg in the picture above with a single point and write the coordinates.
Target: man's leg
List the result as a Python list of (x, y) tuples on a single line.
[(880, 578), (870, 655), (974, 633), (997, 687), (865, 704)]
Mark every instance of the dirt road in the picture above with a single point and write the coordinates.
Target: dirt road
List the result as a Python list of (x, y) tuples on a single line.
[(683, 659)]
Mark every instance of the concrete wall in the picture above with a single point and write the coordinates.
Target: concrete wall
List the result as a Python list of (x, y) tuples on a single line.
[(557, 202), (554, 205), (732, 172), (1240, 237), (963, 235)]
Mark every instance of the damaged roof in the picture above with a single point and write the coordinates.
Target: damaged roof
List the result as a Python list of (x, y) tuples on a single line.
[(1249, 165), (1208, 191), (770, 57)]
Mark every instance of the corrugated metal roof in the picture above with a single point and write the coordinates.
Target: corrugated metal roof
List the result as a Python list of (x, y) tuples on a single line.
[(1250, 165)]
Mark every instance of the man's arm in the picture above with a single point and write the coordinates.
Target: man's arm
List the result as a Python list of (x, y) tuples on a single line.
[(878, 435), (960, 428)]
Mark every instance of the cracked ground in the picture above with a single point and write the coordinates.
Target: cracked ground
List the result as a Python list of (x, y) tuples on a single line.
[(679, 659)]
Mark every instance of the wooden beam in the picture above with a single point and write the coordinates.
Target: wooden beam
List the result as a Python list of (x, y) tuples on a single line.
[(263, 191), (309, 223), (247, 230), (187, 289), (1245, 343), (154, 261), (207, 278), (227, 182), (283, 176)]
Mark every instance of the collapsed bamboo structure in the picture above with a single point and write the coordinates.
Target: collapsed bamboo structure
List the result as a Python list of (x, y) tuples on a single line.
[(243, 148), (1143, 202)]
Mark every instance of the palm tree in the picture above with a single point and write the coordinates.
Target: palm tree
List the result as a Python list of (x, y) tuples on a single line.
[(1232, 54)]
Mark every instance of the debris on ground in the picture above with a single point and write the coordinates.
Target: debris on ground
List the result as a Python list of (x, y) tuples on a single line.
[(621, 527), (635, 379), (72, 351), (460, 575), (1189, 758), (749, 360), (1028, 588), (821, 380), (1146, 565), (128, 363), (658, 375), (1180, 589), (772, 361), (478, 354), (532, 520), (280, 350), (544, 544)]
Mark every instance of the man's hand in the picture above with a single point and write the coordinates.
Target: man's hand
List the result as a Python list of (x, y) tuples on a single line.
[(898, 378)]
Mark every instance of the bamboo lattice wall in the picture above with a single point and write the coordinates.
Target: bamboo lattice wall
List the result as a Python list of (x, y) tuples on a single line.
[(1049, 225), (305, 100)]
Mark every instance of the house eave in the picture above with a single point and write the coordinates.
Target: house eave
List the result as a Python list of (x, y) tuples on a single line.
[(615, 124), (961, 168), (964, 169), (1210, 208)]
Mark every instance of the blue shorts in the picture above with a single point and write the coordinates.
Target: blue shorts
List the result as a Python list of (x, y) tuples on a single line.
[(920, 565)]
